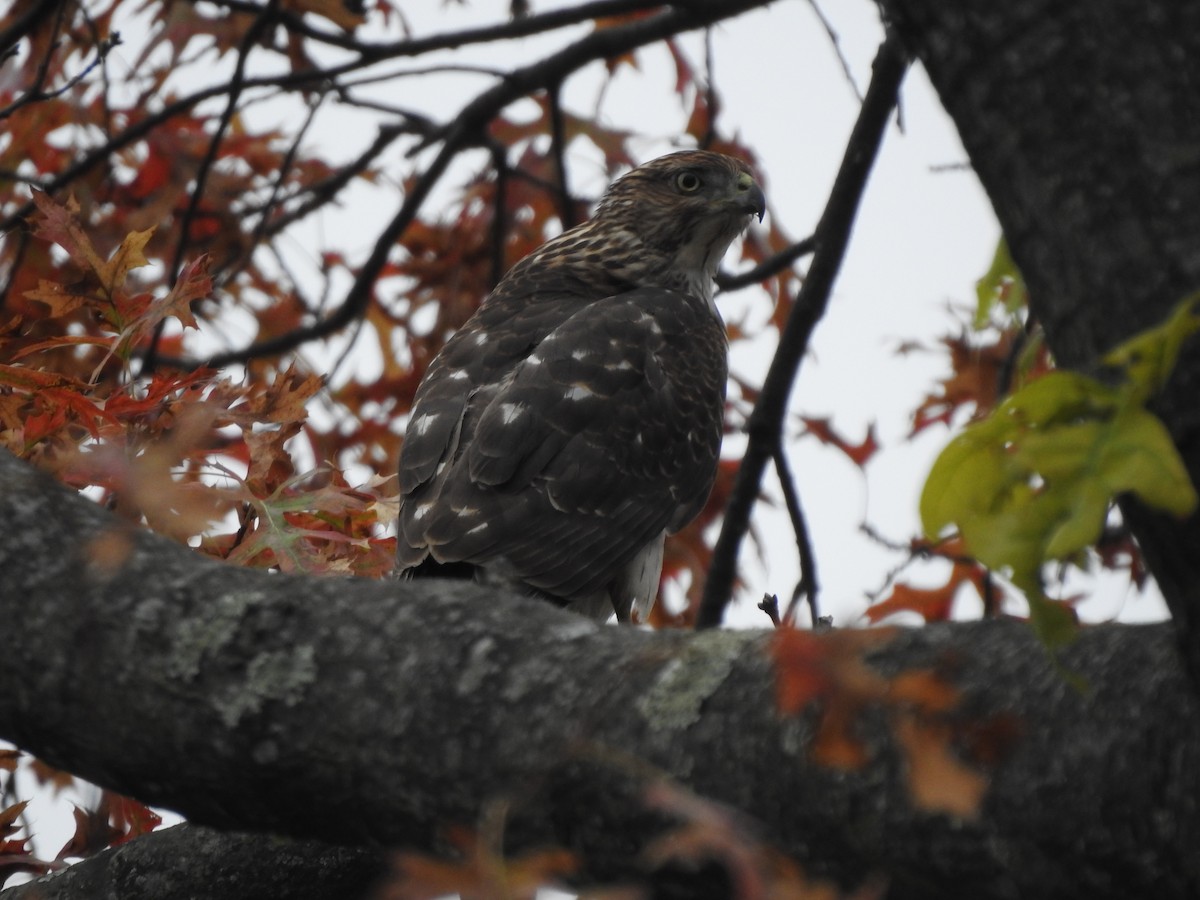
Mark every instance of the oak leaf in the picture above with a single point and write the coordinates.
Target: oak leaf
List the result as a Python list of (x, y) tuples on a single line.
[(860, 454)]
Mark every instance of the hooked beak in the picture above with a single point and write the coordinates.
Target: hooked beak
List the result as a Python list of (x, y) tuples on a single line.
[(750, 197)]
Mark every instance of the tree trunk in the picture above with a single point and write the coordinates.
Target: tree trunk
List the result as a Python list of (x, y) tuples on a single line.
[(1083, 123)]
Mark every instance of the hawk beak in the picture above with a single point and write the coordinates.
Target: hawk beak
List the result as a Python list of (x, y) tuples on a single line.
[(750, 197)]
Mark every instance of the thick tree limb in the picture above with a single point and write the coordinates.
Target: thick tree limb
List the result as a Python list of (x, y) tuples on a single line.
[(1083, 129), (357, 711), (203, 864)]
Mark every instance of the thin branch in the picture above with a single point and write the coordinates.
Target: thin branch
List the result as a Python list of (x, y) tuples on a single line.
[(29, 20), (273, 202), (769, 604), (137, 131), (236, 85), (832, 236), (22, 238), (711, 98), (499, 214), (772, 265), (807, 587), (558, 149), (508, 30), (39, 79), (837, 47), (37, 95), (324, 192), (359, 295), (466, 130)]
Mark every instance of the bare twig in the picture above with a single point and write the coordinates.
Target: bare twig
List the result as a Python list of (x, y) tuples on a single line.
[(807, 587), (770, 605), (772, 265), (37, 95), (285, 169), (832, 235), (837, 47), (135, 132), (25, 24), (558, 149), (39, 80), (236, 84), (711, 98), (499, 213), (408, 47), (324, 192)]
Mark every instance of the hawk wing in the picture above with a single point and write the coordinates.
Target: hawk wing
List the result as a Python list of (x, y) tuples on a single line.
[(554, 438)]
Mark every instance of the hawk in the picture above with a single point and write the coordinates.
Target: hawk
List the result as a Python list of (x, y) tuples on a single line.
[(575, 420)]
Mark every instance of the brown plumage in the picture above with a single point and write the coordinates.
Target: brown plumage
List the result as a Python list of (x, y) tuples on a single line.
[(575, 420)]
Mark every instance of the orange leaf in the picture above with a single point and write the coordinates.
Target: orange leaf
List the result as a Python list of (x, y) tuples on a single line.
[(61, 300), (337, 11), (481, 872), (193, 284), (935, 604), (11, 815), (800, 672), (57, 343), (923, 690), (130, 816), (860, 453), (937, 780), (126, 257), (60, 224), (932, 604), (47, 774)]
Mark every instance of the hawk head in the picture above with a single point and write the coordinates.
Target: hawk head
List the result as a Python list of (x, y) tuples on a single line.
[(575, 420), (666, 223)]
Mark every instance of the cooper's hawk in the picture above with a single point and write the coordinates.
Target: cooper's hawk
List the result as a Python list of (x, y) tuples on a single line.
[(575, 420)]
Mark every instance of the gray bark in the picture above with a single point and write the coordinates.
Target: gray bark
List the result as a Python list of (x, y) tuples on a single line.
[(378, 714), (204, 864), (1083, 123)]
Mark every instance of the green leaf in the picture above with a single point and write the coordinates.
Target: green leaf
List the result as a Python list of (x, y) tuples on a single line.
[(1033, 482), (966, 477), (1053, 621), (1002, 283), (1059, 396), (1140, 457), (1149, 357)]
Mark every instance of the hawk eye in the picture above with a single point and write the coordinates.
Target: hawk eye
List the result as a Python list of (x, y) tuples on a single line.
[(688, 182)]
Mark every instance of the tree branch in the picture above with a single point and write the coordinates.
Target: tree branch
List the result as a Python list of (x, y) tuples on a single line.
[(830, 240), (808, 585), (25, 24), (551, 20), (772, 265), (236, 84), (203, 864), (558, 149), (359, 711)]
